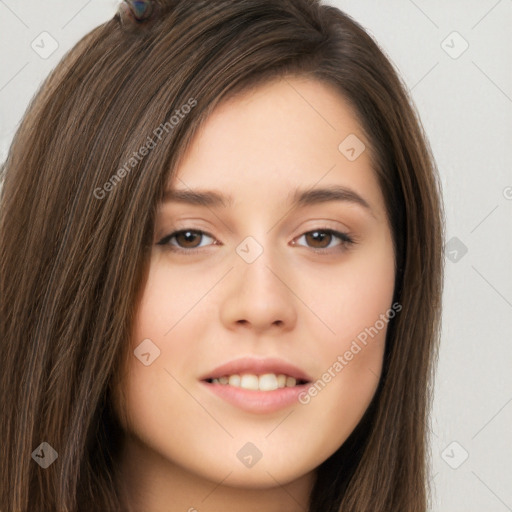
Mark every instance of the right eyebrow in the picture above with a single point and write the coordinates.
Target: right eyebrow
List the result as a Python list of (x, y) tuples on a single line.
[(208, 198)]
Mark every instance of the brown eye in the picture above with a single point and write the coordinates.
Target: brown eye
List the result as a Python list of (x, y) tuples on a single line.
[(319, 239), (186, 239), (322, 239)]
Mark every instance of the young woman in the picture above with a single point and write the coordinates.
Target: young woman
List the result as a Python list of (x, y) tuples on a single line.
[(221, 270)]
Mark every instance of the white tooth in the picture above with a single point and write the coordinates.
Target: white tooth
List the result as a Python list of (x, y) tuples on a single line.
[(281, 381), (268, 382), (249, 381), (234, 380), (290, 382), (223, 380), (215, 381)]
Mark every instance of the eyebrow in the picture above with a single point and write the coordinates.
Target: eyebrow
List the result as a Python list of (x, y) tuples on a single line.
[(299, 197)]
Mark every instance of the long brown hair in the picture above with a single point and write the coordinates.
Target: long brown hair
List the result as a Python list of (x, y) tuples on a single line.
[(76, 234)]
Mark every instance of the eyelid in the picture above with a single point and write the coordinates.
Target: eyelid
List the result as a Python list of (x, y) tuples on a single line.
[(347, 240), (184, 230)]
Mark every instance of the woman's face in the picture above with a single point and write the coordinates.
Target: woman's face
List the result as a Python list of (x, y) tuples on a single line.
[(262, 287)]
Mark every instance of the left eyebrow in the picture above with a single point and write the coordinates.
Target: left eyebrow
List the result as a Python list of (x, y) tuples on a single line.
[(299, 197)]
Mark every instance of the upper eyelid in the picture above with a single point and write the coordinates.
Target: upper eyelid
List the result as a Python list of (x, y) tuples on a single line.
[(182, 230), (324, 226), (336, 233)]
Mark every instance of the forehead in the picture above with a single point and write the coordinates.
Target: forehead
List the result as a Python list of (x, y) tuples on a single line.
[(280, 136)]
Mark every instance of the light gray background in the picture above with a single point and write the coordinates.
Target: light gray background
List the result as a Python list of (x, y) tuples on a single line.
[(465, 102)]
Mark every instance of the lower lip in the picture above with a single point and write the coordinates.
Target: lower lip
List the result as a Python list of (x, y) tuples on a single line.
[(257, 401)]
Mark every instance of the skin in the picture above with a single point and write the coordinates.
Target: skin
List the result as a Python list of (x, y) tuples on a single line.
[(205, 309)]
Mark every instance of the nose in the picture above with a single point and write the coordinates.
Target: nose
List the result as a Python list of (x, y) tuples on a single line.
[(259, 296)]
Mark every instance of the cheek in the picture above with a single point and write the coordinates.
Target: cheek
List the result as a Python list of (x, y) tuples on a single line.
[(353, 296), (356, 304), (165, 315), (337, 400), (147, 388)]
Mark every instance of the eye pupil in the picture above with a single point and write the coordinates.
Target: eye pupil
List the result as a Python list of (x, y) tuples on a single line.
[(187, 235), (319, 236)]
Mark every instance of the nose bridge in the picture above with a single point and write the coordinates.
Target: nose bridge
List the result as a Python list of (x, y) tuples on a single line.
[(261, 256), (259, 296)]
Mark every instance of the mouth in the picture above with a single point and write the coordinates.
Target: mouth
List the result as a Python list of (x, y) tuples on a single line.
[(257, 385), (264, 382)]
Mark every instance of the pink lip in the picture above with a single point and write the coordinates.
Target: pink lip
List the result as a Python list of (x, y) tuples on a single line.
[(257, 367), (257, 401)]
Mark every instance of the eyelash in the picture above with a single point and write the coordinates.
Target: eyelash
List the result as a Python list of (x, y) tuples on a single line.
[(346, 240)]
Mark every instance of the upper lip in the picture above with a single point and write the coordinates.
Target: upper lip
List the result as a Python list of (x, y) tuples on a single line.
[(251, 365)]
